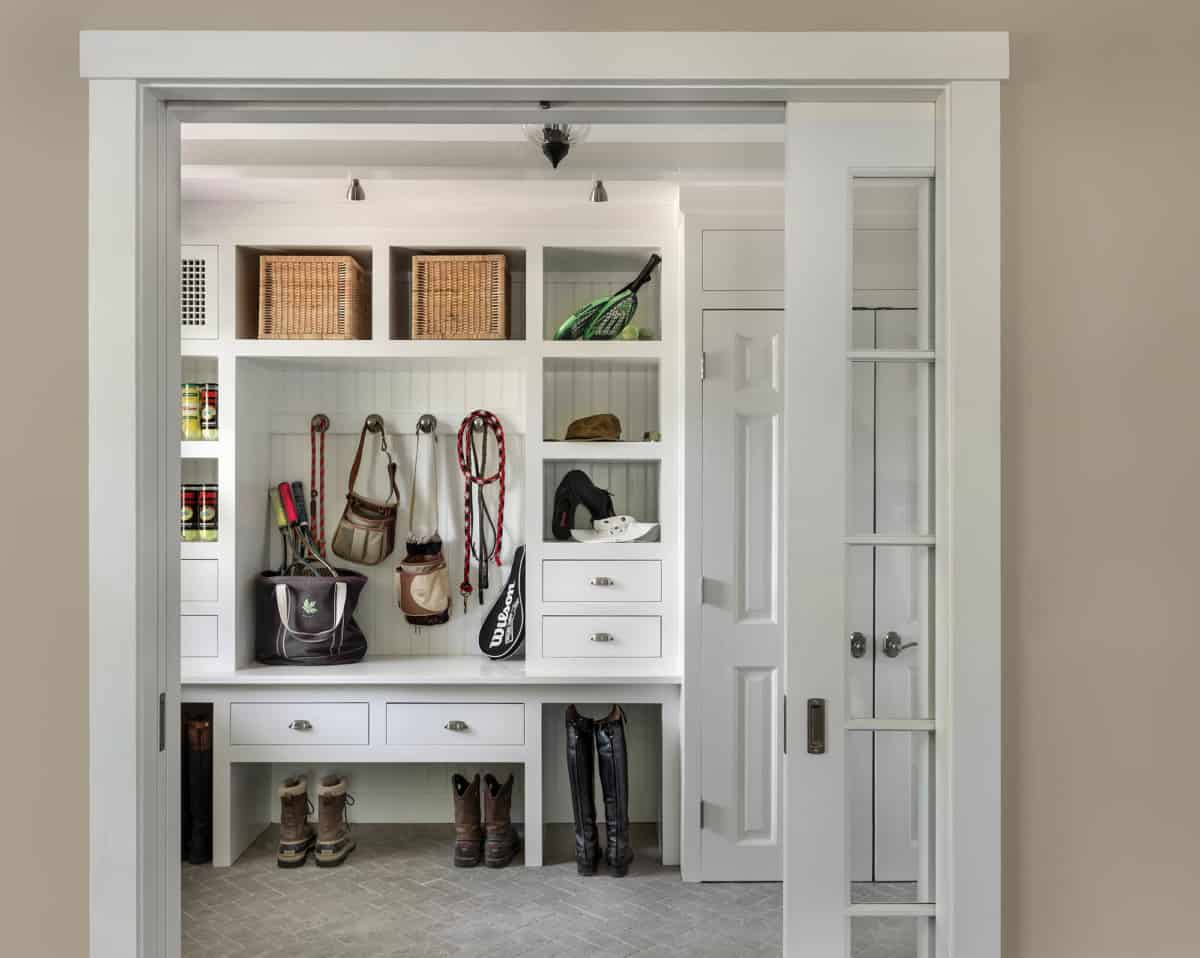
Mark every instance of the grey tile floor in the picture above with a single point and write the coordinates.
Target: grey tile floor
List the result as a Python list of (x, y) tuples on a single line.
[(398, 895)]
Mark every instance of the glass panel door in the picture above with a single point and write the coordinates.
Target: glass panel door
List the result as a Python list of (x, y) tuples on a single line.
[(861, 809)]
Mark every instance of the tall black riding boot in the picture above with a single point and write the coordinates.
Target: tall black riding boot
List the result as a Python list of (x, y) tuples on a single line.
[(581, 751), (200, 790), (614, 781)]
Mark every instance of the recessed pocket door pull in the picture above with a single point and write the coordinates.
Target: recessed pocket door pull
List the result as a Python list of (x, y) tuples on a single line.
[(300, 725), (457, 725), (600, 580), (601, 637)]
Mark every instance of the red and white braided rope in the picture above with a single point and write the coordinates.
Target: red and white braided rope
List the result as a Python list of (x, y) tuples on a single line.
[(492, 422)]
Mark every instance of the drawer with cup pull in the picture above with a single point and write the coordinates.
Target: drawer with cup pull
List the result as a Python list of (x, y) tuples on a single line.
[(601, 580), (299, 723), (601, 636), (455, 723)]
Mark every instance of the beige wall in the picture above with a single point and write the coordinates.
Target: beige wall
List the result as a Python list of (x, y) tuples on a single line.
[(1102, 449)]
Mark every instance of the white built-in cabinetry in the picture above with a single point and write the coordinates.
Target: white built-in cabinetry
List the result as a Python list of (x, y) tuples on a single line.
[(384, 720)]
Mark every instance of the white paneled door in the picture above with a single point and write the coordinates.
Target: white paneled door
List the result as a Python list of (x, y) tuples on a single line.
[(860, 481), (742, 632)]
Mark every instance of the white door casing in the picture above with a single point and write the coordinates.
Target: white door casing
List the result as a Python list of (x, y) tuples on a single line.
[(741, 835), (960, 71)]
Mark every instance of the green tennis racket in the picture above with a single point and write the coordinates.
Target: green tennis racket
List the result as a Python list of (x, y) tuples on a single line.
[(604, 318)]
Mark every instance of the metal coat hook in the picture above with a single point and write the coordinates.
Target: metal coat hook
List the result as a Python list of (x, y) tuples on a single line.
[(374, 423), (320, 423), (478, 425), (427, 424)]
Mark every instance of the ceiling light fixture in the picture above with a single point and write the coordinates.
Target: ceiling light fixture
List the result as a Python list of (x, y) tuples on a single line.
[(355, 192), (599, 194), (555, 139)]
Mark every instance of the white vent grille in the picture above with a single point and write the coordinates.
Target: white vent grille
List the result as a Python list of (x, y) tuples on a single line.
[(198, 292)]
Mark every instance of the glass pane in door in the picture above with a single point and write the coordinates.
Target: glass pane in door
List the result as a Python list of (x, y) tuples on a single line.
[(890, 789), (891, 448), (891, 937), (890, 309), (889, 637)]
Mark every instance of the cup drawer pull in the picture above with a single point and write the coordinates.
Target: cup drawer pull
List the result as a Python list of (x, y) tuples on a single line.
[(300, 725), (601, 637), (457, 725), (600, 580)]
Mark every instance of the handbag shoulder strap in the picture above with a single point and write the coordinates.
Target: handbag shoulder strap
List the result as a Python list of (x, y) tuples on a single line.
[(391, 468), (412, 498)]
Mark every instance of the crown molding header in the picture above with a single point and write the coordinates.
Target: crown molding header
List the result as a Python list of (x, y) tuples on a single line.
[(537, 59)]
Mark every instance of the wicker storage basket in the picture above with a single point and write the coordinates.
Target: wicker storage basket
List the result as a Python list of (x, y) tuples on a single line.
[(313, 297), (459, 297)]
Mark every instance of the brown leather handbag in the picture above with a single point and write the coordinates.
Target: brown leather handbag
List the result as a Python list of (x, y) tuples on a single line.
[(366, 532)]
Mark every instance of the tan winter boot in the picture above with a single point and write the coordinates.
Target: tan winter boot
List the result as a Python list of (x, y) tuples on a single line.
[(468, 828), (333, 830), (296, 835), (502, 841)]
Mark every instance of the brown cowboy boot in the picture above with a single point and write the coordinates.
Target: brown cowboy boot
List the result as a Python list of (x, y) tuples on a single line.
[(334, 843), (296, 835), (468, 829), (501, 843)]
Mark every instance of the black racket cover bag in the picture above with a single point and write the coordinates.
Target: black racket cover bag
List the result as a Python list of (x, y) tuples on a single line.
[(503, 633), (308, 619)]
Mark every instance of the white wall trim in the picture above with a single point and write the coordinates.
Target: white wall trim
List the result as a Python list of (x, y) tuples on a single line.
[(133, 223), (605, 59), (969, 268)]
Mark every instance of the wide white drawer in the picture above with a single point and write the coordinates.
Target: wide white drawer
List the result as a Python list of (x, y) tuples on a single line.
[(198, 580), (455, 723), (299, 723), (601, 636), (599, 580), (198, 636)]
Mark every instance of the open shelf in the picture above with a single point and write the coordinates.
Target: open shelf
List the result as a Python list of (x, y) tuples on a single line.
[(247, 280), (634, 485), (573, 276), (601, 451), (575, 388), (400, 309)]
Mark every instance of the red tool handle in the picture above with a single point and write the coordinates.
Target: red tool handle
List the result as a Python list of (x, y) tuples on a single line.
[(289, 505)]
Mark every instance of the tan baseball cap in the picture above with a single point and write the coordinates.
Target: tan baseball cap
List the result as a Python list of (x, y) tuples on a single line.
[(603, 427)]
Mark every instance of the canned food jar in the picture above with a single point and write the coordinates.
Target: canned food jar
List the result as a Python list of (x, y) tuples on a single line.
[(206, 523), (208, 411), (189, 511), (189, 409)]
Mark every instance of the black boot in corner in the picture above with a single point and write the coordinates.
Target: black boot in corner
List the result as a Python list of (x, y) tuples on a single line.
[(614, 781), (581, 751)]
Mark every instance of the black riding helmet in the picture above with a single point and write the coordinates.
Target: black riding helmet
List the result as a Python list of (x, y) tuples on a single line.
[(575, 490)]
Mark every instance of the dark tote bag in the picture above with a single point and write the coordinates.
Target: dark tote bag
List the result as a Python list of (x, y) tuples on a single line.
[(308, 619)]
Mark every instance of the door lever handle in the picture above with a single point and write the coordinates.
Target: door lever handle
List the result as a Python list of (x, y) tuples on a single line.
[(893, 645), (858, 645)]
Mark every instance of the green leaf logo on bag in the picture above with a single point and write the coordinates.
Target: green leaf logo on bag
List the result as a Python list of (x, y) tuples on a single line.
[(308, 607)]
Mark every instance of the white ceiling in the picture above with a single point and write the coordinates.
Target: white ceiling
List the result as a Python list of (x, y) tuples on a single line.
[(250, 154)]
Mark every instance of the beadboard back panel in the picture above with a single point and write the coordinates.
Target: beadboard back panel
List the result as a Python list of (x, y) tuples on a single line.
[(448, 389), (574, 388)]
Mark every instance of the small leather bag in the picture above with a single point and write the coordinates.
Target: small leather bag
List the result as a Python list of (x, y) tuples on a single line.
[(422, 578), (366, 532)]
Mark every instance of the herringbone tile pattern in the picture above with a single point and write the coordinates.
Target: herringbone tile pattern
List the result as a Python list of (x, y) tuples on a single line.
[(398, 895)]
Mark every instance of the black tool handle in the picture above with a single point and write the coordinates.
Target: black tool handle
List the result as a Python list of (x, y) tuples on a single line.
[(298, 499), (643, 277)]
